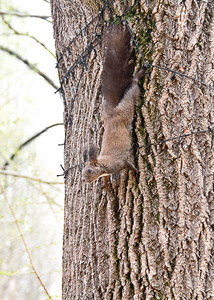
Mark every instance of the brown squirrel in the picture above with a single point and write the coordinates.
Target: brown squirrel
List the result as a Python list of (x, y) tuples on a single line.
[(120, 90)]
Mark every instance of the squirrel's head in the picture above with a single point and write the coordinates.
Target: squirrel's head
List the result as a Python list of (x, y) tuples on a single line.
[(92, 170)]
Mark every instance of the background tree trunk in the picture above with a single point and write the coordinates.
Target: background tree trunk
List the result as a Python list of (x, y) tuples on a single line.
[(151, 239)]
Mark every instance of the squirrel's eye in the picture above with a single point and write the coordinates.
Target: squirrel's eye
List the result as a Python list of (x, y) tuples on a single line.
[(89, 170)]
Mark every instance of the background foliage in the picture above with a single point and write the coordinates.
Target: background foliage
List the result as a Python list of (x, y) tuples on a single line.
[(27, 106)]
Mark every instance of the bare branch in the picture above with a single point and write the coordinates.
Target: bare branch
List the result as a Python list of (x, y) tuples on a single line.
[(21, 15), (30, 66), (3, 172), (24, 242), (49, 201), (27, 142), (26, 34), (39, 188)]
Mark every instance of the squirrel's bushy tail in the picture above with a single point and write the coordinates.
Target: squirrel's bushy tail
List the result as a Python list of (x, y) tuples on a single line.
[(118, 66)]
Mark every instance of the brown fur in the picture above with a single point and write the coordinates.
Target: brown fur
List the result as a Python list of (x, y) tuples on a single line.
[(120, 92), (118, 64)]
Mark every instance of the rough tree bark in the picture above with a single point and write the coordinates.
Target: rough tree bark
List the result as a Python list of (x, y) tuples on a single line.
[(151, 239)]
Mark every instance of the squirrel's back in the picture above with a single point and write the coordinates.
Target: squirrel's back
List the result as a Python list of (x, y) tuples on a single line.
[(118, 66)]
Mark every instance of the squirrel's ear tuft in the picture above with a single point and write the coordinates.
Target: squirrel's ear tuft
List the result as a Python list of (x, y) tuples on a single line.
[(93, 150), (85, 154)]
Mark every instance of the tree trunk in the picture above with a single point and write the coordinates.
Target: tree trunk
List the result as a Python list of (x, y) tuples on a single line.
[(150, 238)]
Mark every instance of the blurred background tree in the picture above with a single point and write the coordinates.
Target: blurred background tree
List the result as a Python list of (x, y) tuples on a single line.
[(31, 204)]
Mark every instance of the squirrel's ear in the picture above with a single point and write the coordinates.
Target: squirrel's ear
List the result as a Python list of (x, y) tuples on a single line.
[(85, 154), (93, 150)]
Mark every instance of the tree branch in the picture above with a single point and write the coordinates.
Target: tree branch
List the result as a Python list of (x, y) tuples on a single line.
[(30, 66), (20, 15), (49, 201), (3, 172), (26, 34), (24, 242), (27, 142)]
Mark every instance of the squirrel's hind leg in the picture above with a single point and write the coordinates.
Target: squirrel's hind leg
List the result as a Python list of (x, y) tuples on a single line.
[(130, 166), (105, 181)]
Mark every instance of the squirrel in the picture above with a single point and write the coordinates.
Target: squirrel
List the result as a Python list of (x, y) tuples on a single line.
[(120, 90)]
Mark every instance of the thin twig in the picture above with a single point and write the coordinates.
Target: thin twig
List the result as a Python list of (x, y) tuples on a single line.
[(28, 141), (30, 66), (6, 173), (178, 137), (82, 60), (212, 5), (21, 15), (207, 3), (27, 35), (24, 242), (49, 200), (182, 75), (105, 6), (96, 41), (135, 42)]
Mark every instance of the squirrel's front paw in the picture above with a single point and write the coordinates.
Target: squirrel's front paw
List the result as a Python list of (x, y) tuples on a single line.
[(105, 181)]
